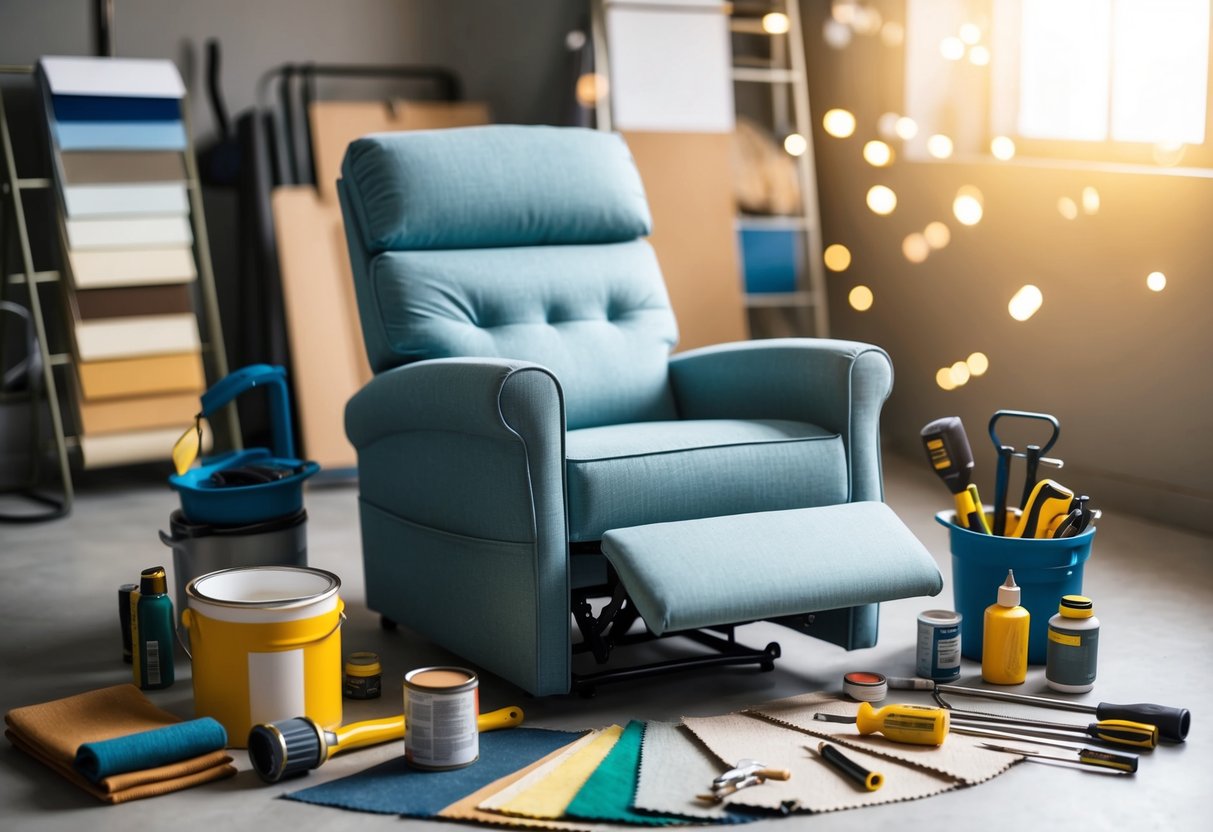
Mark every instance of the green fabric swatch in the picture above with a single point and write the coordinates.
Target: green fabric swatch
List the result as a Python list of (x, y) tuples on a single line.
[(607, 795)]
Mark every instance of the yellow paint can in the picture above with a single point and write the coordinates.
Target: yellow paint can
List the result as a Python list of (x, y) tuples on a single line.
[(265, 643)]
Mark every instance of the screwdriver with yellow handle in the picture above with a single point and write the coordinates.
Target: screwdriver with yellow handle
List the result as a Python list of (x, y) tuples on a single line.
[(913, 724), (1113, 731)]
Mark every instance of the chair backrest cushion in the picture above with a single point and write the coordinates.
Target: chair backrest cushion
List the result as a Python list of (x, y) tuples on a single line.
[(513, 242), (494, 186)]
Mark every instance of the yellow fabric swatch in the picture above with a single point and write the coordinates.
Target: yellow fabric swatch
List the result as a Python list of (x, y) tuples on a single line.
[(551, 796), (471, 809)]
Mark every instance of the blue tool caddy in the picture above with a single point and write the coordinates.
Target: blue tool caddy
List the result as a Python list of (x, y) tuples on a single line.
[(207, 498)]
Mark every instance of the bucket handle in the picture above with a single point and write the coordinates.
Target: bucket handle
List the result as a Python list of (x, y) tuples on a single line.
[(185, 616)]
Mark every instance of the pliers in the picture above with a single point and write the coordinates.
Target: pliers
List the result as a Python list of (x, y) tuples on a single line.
[(745, 774)]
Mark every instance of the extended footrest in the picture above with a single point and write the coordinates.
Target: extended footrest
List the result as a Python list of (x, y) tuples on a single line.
[(718, 571)]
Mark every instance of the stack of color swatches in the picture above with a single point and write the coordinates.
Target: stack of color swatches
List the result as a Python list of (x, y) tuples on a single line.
[(119, 143)]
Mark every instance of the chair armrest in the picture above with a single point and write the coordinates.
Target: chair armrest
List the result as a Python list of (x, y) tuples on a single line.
[(471, 446), (837, 385), (461, 476), (464, 395)]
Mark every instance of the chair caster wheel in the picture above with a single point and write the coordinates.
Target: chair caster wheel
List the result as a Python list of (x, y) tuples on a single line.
[(386, 623)]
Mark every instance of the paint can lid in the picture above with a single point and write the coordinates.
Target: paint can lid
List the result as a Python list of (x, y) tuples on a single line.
[(865, 686)]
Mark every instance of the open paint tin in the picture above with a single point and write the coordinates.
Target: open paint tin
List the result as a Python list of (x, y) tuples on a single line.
[(441, 706)]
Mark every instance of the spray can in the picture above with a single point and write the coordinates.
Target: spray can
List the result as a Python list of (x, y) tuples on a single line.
[(1073, 646), (152, 631), (1004, 647)]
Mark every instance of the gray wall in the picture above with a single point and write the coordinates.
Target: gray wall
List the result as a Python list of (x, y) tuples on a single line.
[(1128, 372), (508, 53)]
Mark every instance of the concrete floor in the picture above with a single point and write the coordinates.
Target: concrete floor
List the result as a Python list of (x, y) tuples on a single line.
[(1153, 587)]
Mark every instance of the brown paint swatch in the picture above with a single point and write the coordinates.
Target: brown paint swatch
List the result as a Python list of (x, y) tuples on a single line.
[(94, 167), (127, 301)]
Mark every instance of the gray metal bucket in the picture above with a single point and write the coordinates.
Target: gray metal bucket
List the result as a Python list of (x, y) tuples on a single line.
[(200, 548)]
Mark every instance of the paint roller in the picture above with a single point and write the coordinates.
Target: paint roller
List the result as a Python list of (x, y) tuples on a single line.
[(291, 747)]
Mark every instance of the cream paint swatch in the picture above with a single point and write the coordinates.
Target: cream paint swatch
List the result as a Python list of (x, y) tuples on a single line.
[(551, 794), (674, 767), (959, 757), (131, 267), (814, 786), (131, 232), (468, 809)]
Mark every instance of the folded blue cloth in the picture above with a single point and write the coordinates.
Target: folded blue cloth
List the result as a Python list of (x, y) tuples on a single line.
[(149, 749), (393, 788)]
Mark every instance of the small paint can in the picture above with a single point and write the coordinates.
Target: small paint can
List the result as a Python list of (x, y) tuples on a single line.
[(865, 686), (441, 706), (939, 645), (363, 676)]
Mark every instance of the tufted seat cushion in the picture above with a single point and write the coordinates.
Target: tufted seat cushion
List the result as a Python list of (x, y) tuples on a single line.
[(630, 475)]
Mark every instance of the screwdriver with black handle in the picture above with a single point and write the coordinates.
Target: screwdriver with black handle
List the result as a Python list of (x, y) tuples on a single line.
[(1172, 723), (1085, 756), (951, 457), (1119, 760)]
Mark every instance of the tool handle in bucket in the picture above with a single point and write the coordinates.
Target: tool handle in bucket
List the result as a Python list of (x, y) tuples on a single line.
[(246, 378), (1025, 414)]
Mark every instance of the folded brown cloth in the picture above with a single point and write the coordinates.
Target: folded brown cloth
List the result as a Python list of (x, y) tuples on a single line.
[(51, 732)]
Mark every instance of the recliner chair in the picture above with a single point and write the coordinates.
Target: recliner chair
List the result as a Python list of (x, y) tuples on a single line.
[(525, 399)]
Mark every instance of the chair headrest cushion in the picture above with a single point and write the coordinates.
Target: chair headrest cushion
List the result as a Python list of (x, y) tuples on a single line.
[(494, 186)]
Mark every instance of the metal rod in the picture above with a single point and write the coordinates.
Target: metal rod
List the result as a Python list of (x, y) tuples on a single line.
[(27, 263), (1062, 704)]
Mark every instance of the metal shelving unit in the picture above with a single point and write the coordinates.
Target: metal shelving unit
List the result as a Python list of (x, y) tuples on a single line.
[(56, 387), (784, 71)]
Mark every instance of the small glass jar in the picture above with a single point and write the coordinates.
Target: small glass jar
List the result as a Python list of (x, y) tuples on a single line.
[(363, 676)]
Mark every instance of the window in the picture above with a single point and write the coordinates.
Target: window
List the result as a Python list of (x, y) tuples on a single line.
[(1100, 80)]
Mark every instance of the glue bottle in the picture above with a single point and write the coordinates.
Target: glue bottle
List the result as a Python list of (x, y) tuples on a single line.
[(1073, 645), (152, 631), (1004, 646)]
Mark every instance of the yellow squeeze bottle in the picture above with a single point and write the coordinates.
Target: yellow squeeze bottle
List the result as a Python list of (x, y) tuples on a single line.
[(1004, 645)]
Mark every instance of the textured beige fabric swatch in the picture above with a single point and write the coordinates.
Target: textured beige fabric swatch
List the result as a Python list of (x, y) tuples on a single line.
[(814, 786), (551, 794), (674, 767), (468, 809), (959, 757)]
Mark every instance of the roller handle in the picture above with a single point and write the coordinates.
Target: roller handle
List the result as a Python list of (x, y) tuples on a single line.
[(774, 773), (1172, 723), (510, 717), (369, 732)]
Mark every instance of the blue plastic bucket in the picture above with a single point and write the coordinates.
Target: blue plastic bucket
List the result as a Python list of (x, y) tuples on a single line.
[(1045, 569)]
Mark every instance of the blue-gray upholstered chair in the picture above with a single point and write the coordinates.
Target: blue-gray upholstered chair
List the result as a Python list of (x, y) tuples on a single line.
[(525, 399)]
